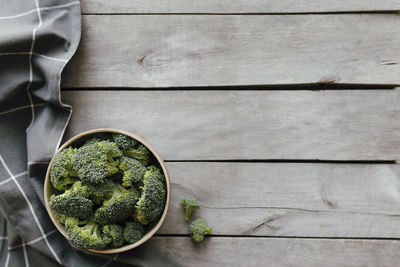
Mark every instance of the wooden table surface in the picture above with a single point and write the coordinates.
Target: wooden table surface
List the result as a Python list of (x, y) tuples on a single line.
[(281, 117)]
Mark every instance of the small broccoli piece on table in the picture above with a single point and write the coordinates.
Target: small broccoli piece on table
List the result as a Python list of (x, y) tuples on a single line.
[(141, 153), (197, 230), (123, 141), (132, 170), (61, 172), (116, 233), (119, 207), (87, 236), (74, 202), (152, 201), (190, 205), (100, 192), (133, 232), (94, 162)]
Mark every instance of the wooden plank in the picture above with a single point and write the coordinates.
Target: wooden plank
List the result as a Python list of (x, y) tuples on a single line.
[(235, 6), (190, 50), (278, 252), (281, 199), (204, 125)]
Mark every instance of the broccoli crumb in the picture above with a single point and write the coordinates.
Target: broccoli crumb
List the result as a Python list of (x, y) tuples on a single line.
[(190, 205), (198, 229)]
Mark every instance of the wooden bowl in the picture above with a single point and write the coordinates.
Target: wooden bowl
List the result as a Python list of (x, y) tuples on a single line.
[(79, 139)]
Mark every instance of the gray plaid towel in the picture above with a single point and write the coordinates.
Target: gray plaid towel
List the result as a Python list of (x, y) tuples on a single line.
[(37, 39)]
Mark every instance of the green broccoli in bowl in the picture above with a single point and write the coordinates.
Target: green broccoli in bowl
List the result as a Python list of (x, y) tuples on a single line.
[(86, 235), (73, 202), (96, 161), (101, 186)]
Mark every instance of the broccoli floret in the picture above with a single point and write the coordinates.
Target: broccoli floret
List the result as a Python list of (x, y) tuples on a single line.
[(116, 233), (190, 205), (74, 202), (98, 138), (133, 232), (141, 153), (100, 192), (198, 229), (61, 172), (61, 218), (157, 173), (119, 207), (88, 236), (152, 201), (94, 162), (133, 171), (123, 141), (92, 141)]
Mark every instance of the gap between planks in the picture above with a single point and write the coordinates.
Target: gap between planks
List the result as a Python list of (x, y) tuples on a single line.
[(175, 7), (289, 87), (290, 161), (282, 237), (244, 14)]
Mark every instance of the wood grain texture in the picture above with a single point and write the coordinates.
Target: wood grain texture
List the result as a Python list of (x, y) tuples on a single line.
[(190, 50), (288, 199), (279, 252), (204, 125), (235, 6)]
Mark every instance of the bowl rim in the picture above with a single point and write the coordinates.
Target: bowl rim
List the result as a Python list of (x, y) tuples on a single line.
[(149, 234)]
